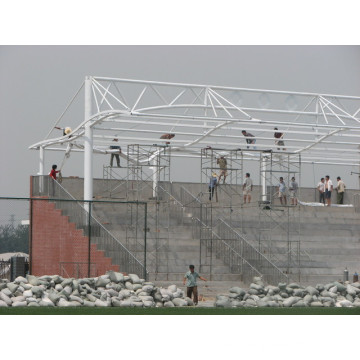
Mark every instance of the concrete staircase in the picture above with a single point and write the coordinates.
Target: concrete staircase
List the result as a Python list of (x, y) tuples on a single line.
[(329, 238), (329, 241)]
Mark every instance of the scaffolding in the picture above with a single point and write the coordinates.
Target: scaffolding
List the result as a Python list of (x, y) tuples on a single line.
[(147, 172), (279, 221), (224, 201), (228, 190)]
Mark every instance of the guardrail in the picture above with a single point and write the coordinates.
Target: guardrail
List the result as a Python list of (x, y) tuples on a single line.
[(236, 252), (357, 203), (245, 253)]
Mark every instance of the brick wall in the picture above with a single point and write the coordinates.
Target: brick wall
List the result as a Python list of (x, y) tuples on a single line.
[(59, 248)]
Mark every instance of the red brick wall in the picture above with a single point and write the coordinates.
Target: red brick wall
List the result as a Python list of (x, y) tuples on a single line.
[(59, 248)]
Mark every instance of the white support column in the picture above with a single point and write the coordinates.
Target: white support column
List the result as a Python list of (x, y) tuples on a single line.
[(155, 176), (263, 178), (88, 145), (41, 169), (42, 161), (359, 168)]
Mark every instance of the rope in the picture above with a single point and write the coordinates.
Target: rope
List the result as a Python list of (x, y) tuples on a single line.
[(66, 156), (57, 121)]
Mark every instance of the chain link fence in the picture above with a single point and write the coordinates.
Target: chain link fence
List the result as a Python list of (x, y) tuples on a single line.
[(74, 238)]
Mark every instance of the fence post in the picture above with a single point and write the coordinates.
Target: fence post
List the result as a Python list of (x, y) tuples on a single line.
[(145, 240), (30, 236), (89, 236)]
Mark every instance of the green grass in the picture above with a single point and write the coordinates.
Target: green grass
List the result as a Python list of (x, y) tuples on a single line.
[(178, 311)]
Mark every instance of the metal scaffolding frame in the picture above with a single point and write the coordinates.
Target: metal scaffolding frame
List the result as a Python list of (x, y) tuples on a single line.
[(144, 181), (226, 199), (279, 228)]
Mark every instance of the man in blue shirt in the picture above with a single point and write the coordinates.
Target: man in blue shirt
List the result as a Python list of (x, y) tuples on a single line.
[(212, 185), (191, 284)]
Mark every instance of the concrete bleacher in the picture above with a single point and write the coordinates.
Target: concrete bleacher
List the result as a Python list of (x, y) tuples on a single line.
[(329, 235)]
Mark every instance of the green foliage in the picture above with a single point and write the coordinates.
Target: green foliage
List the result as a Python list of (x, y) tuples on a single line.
[(14, 239), (189, 310)]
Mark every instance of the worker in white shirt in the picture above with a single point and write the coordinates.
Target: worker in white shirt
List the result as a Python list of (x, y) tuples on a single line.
[(328, 189)]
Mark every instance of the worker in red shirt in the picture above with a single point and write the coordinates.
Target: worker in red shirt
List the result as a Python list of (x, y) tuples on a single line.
[(52, 175), (53, 172)]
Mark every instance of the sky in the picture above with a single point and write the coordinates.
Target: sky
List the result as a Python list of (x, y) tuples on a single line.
[(39, 81)]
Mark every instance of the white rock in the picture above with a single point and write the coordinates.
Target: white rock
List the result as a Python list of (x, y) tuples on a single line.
[(137, 287), (68, 290), (129, 285), (26, 286), (7, 292), (58, 287), (20, 279), (37, 291), (76, 298), (345, 303), (134, 279), (112, 292), (12, 287), (316, 304), (19, 304), (33, 304), (5, 298), (169, 304), (148, 304), (115, 276), (30, 299), (100, 303), (46, 303), (172, 288), (33, 280), (89, 303), (148, 288), (351, 290), (18, 298), (291, 301)]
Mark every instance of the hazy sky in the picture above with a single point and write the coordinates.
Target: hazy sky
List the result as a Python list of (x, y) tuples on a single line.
[(37, 82)]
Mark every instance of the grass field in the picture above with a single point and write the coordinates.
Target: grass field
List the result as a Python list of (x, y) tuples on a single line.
[(178, 311)]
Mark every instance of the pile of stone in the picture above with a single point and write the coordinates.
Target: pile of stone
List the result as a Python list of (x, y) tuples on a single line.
[(111, 289), (292, 295)]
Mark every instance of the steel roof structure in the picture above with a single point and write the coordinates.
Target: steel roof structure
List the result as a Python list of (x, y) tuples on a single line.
[(323, 128)]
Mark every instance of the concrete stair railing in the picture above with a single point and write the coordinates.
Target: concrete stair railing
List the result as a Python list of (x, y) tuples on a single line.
[(233, 249)]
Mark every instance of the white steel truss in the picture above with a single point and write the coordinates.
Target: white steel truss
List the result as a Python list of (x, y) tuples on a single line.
[(323, 128)]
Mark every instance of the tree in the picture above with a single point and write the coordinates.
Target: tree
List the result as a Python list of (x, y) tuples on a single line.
[(14, 239)]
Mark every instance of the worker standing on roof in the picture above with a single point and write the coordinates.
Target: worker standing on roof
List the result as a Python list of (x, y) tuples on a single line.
[(250, 138), (279, 136), (167, 137)]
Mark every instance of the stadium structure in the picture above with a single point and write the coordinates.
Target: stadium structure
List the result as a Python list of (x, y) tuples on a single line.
[(137, 218)]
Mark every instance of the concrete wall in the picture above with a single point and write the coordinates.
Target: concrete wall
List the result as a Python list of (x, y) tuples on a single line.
[(102, 190)]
